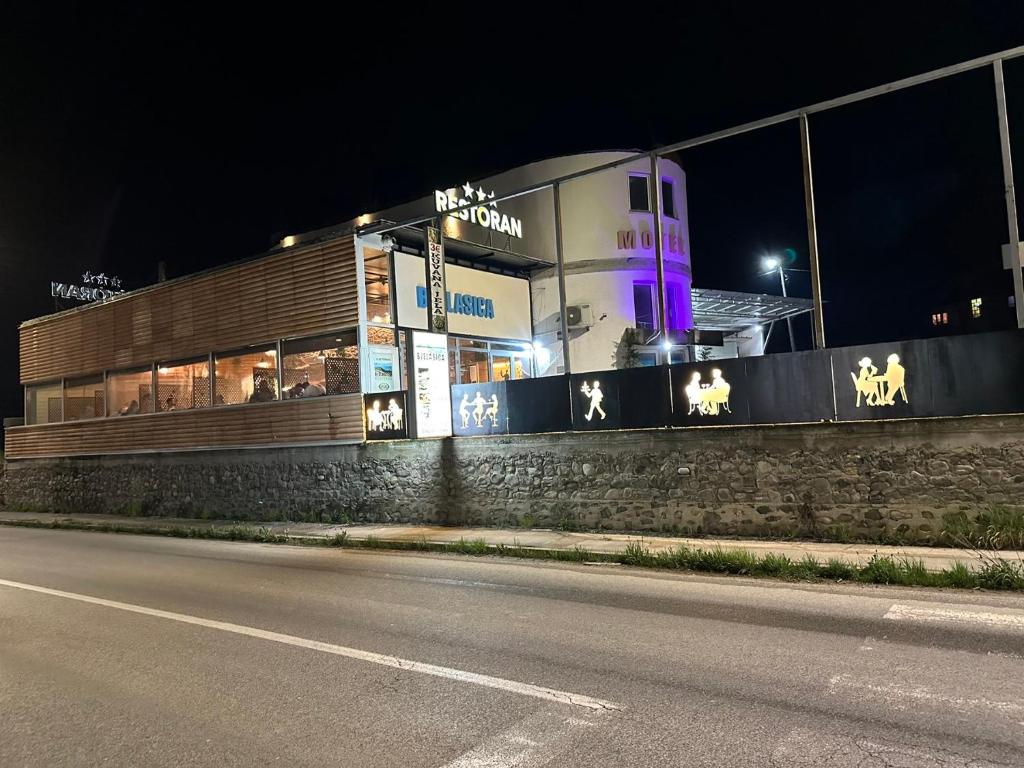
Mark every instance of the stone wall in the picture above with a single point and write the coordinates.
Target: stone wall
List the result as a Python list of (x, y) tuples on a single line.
[(866, 480)]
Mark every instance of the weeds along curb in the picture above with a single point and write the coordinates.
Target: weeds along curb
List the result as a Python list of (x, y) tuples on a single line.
[(994, 572)]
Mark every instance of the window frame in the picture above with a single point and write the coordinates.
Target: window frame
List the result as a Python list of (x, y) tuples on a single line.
[(629, 191), (239, 352), (670, 196)]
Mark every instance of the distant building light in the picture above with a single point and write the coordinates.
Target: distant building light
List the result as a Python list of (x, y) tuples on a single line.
[(289, 241), (975, 308)]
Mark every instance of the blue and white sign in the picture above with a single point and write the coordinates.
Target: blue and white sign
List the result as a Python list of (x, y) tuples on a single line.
[(478, 303)]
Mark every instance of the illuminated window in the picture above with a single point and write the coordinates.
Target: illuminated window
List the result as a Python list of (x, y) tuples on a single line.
[(43, 403), (639, 194), (130, 392), (668, 198), (473, 362), (975, 308), (940, 318), (321, 365), (83, 398), (183, 385), (248, 376), (377, 269), (644, 305)]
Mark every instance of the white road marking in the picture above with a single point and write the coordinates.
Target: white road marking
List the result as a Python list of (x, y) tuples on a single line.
[(900, 612), (902, 696), (523, 689), (531, 743)]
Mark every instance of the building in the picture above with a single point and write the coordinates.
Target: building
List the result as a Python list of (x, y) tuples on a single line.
[(295, 337)]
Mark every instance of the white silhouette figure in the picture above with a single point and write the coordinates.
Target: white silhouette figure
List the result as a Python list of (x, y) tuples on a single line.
[(596, 396), (395, 412), (464, 411), (492, 411), (374, 418), (478, 411)]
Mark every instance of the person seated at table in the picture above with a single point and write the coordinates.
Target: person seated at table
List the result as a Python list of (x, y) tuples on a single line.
[(130, 409), (263, 393), (312, 389)]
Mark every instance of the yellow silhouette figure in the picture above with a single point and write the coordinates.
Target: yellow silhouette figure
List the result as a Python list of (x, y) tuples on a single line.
[(895, 378), (880, 390), (693, 393), (717, 395)]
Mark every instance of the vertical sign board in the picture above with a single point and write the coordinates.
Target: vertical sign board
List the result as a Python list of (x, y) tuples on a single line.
[(437, 307), (430, 389)]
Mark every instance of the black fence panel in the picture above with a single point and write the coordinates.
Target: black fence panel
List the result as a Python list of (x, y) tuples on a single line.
[(480, 409), (385, 414), (644, 398), (983, 373), (790, 388), (595, 400), (711, 392), (538, 405), (883, 381)]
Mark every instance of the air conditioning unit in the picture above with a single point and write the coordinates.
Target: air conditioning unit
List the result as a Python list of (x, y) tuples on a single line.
[(579, 316)]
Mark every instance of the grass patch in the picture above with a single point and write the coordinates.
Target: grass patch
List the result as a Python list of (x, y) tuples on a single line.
[(994, 572)]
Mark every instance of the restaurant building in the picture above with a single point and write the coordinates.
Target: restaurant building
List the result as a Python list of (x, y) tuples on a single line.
[(279, 349)]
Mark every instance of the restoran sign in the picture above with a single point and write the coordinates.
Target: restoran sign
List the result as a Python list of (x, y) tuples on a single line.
[(96, 288), (485, 214), (478, 303)]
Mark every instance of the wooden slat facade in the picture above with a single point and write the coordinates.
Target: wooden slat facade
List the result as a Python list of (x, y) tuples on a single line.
[(298, 292), (289, 422), (302, 291)]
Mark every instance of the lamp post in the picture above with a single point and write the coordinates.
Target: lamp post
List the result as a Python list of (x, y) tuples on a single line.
[(772, 263)]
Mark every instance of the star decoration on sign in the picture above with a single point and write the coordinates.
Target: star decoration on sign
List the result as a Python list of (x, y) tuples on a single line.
[(491, 198), (481, 195), (468, 189)]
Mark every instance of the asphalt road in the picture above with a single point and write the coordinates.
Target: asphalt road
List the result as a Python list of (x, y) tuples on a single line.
[(142, 651)]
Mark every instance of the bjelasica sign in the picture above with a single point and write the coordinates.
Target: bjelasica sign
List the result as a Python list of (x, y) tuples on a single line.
[(478, 303), (486, 214), (91, 291)]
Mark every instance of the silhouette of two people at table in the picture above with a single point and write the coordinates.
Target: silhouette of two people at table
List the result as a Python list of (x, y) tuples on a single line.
[(480, 413), (881, 390), (386, 420), (708, 399)]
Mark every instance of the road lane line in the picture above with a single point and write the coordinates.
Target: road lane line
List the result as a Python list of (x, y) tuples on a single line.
[(900, 612), (530, 743), (524, 689), (902, 696)]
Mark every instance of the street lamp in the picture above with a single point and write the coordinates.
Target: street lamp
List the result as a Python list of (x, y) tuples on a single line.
[(770, 264)]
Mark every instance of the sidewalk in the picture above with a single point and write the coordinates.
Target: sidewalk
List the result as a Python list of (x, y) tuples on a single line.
[(934, 558)]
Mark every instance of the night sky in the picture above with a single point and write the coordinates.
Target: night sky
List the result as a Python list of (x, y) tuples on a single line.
[(133, 135)]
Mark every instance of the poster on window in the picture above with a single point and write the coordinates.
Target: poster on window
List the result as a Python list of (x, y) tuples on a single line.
[(383, 368), (430, 384)]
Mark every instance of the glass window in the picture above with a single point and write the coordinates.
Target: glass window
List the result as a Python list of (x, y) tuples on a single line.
[(83, 398), (643, 305), (668, 198), (183, 385), (975, 308), (248, 376), (474, 365), (672, 298), (377, 270), (43, 403), (321, 365), (639, 196), (129, 392)]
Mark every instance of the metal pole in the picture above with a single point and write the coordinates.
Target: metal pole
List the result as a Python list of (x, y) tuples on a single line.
[(560, 268), (659, 256), (789, 320), (1011, 195), (817, 312)]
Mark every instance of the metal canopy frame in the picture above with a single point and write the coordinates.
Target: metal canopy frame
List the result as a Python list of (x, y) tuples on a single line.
[(733, 311), (994, 60)]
